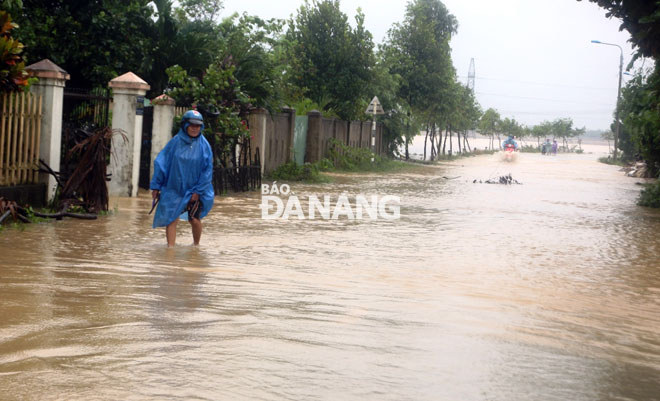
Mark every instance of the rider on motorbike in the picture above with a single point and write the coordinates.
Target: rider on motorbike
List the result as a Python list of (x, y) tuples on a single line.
[(510, 142)]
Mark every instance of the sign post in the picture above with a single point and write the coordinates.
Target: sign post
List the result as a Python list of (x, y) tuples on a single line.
[(374, 108)]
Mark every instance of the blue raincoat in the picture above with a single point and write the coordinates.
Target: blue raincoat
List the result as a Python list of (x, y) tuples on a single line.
[(183, 167), (510, 141)]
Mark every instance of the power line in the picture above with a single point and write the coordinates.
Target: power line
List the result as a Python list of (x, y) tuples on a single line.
[(543, 99), (542, 83), (550, 113)]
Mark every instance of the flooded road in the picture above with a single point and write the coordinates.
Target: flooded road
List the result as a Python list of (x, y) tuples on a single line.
[(548, 290)]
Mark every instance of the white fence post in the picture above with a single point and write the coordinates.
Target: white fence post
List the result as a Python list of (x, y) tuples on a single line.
[(127, 90), (50, 86), (161, 131)]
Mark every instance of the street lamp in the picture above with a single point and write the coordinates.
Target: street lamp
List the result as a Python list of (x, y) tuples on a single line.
[(618, 94)]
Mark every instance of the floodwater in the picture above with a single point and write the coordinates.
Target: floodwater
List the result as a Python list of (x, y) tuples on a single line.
[(549, 290)]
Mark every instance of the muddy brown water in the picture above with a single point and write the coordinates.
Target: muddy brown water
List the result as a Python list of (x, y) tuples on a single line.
[(549, 290)]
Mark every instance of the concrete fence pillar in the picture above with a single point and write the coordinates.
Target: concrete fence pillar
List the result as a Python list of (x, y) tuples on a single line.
[(127, 91), (51, 87), (313, 151), (257, 122), (161, 131), (291, 133)]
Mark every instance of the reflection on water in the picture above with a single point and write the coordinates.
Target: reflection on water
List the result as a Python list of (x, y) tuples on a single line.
[(548, 290)]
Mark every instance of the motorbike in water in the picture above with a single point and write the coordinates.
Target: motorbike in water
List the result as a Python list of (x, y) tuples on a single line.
[(509, 154)]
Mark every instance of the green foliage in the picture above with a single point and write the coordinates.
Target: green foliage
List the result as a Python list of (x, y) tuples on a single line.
[(418, 56), (305, 105), (530, 149), (201, 10), (609, 160), (219, 93), (640, 107), (12, 74), (346, 158), (418, 51), (490, 122), (650, 195), (329, 61), (249, 42), (325, 164), (176, 40), (94, 41), (291, 171), (641, 19)]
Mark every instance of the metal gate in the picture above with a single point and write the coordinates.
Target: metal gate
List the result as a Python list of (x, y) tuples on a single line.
[(300, 140), (83, 112), (145, 150)]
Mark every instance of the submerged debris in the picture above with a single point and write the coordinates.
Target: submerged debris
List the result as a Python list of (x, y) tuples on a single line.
[(85, 186), (504, 179)]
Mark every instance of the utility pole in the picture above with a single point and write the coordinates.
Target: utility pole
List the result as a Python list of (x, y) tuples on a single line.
[(471, 75), (618, 96)]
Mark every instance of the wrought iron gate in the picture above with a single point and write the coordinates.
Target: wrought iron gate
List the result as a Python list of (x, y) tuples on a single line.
[(83, 112)]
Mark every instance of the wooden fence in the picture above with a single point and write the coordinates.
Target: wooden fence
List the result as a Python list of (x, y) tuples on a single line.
[(20, 132), (180, 110)]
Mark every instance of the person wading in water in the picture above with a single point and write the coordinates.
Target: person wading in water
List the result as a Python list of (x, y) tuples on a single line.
[(182, 184)]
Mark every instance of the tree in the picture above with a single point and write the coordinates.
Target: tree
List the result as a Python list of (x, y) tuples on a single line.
[(562, 128), (94, 41), (201, 10), (641, 19), (641, 121), (330, 62), (218, 95), (250, 42), (489, 124), (641, 112), (418, 51), (176, 40), (12, 74)]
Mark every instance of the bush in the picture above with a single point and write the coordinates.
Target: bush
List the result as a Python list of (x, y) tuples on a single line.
[(650, 195), (12, 75), (530, 149), (293, 172), (352, 159), (610, 160)]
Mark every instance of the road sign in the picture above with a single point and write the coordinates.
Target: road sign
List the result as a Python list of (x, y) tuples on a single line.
[(375, 107)]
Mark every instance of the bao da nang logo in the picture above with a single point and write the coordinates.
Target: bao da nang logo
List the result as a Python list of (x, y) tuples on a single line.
[(278, 202)]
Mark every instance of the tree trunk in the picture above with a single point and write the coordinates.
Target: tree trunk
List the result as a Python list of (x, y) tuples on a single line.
[(438, 141), (458, 142), (426, 138), (433, 151), (451, 148)]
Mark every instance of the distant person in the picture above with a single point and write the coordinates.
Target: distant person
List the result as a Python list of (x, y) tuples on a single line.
[(510, 142), (554, 147), (183, 179), (546, 147)]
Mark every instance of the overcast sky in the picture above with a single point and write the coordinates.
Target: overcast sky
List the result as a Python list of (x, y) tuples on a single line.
[(533, 58)]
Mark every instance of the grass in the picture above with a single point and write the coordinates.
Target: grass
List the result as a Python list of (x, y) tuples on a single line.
[(291, 171), (650, 195), (609, 160), (343, 159)]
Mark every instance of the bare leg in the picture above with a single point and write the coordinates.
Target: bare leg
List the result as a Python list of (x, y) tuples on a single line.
[(196, 230), (170, 232)]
